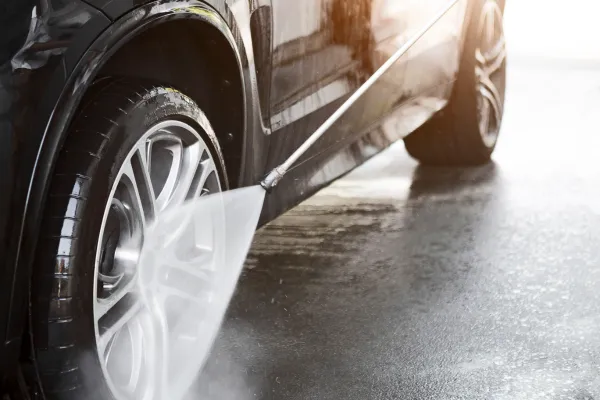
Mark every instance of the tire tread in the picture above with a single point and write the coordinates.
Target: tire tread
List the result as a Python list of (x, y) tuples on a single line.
[(60, 343)]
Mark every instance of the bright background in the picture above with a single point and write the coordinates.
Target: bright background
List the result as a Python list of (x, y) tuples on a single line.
[(557, 29)]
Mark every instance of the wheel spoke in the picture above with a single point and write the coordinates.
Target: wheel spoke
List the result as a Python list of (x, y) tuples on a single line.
[(488, 90), (496, 59), (165, 195), (207, 167), (490, 31), (163, 375), (103, 306), (136, 337), (491, 62), (186, 263), (197, 266), (492, 53), (191, 167), (156, 335), (141, 163), (110, 346), (171, 292), (189, 248), (498, 50), (142, 195), (484, 123), (113, 322)]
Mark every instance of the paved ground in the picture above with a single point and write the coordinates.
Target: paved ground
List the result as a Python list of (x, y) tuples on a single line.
[(403, 282)]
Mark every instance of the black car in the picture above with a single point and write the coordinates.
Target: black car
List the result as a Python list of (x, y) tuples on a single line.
[(112, 111)]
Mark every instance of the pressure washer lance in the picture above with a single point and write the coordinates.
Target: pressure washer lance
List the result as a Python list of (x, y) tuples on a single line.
[(273, 178)]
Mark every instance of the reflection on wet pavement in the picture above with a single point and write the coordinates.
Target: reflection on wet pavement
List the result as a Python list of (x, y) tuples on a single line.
[(408, 282)]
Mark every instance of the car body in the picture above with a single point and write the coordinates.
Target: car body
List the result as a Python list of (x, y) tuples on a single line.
[(277, 70)]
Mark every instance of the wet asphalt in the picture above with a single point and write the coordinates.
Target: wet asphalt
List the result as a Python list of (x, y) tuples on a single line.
[(407, 282)]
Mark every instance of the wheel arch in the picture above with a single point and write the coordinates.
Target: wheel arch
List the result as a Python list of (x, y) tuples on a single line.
[(189, 56)]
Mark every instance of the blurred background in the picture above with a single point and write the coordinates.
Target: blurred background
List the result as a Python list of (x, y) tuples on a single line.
[(554, 30)]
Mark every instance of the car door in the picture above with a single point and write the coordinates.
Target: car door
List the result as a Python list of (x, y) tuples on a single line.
[(313, 71), (323, 51)]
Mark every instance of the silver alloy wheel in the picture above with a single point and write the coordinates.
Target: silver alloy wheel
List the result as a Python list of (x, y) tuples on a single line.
[(490, 56), (169, 164)]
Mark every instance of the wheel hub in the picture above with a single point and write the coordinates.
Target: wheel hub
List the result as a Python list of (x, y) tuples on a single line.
[(168, 165)]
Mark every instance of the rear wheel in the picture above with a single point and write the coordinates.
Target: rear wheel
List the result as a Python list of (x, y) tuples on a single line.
[(133, 152), (466, 131)]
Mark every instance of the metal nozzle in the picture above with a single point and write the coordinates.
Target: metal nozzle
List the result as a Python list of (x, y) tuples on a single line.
[(273, 178)]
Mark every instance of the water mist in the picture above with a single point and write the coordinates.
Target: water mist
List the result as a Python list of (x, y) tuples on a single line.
[(188, 269)]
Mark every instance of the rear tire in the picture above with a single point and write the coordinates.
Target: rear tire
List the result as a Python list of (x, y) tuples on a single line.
[(109, 125), (459, 134)]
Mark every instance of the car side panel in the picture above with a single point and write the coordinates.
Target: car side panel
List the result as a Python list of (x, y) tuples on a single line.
[(387, 111), (314, 68), (320, 59)]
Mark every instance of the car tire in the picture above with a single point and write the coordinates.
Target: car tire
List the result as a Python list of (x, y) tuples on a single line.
[(458, 134), (109, 123)]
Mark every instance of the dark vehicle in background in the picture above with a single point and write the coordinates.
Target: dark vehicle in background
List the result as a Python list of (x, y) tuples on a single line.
[(112, 111)]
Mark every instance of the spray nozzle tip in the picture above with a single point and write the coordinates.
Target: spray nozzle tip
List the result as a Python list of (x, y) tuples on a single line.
[(273, 178)]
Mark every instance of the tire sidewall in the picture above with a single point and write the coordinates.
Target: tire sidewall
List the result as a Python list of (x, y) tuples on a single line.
[(129, 125)]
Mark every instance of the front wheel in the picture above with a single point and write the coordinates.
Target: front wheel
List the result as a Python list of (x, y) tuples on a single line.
[(466, 131), (133, 152)]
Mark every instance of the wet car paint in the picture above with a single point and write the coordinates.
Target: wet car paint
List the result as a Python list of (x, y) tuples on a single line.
[(319, 66), (66, 42), (33, 76), (390, 110)]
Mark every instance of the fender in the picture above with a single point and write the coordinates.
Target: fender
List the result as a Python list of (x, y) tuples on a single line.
[(80, 66)]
